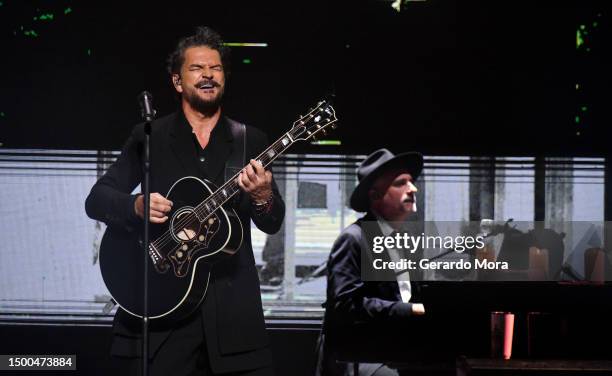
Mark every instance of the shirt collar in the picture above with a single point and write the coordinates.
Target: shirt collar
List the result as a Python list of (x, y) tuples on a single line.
[(222, 128), (385, 227)]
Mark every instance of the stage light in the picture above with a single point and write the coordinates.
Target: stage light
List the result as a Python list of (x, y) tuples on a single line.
[(245, 44), (326, 142), (399, 4)]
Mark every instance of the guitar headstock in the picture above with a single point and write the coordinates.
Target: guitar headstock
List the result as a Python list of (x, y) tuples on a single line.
[(317, 121)]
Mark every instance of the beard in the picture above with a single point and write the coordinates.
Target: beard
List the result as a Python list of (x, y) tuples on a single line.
[(202, 105)]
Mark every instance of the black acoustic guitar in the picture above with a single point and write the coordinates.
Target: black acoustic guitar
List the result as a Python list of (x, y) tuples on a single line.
[(199, 232)]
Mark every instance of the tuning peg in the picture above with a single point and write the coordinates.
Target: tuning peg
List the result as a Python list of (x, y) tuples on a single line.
[(334, 126), (324, 132)]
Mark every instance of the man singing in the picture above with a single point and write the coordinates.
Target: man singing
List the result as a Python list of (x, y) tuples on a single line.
[(226, 334)]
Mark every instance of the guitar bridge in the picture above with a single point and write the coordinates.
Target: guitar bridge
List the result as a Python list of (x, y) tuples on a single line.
[(155, 256), (157, 259)]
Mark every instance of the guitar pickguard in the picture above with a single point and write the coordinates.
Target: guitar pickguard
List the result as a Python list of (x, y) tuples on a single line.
[(192, 240)]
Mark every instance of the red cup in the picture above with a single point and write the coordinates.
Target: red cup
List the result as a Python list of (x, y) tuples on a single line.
[(502, 332), (508, 334)]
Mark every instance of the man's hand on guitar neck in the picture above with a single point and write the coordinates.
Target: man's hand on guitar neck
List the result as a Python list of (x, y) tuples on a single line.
[(160, 206), (256, 181)]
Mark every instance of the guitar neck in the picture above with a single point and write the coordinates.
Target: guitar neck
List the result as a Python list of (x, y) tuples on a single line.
[(230, 187)]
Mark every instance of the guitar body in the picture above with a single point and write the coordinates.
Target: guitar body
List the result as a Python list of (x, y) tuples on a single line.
[(181, 255)]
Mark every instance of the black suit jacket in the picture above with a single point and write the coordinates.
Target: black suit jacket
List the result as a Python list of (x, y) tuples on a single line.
[(232, 311), (363, 319), (350, 299)]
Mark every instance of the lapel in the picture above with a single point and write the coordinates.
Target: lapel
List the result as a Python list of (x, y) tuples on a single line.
[(373, 230), (386, 278)]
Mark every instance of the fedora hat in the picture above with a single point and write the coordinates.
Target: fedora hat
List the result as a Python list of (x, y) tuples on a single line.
[(374, 165)]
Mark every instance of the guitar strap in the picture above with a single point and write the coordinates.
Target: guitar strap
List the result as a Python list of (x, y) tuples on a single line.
[(237, 159)]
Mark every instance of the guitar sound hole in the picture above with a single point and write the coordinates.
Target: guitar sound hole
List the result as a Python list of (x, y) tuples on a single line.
[(189, 226)]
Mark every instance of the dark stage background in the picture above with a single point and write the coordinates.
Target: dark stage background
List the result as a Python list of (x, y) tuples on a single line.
[(444, 77)]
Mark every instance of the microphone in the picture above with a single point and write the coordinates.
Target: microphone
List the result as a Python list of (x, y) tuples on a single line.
[(145, 99)]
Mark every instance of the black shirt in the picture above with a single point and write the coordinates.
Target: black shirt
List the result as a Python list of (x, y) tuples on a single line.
[(216, 142)]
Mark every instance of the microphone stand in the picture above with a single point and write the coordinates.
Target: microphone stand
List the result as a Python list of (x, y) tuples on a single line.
[(147, 209), (148, 114)]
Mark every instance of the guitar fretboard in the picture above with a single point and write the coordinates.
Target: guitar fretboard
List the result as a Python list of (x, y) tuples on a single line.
[(230, 188)]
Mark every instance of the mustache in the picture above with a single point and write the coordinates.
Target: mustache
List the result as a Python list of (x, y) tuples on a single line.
[(410, 198), (203, 83)]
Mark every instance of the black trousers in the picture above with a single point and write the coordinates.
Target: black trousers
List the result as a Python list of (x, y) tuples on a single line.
[(184, 353)]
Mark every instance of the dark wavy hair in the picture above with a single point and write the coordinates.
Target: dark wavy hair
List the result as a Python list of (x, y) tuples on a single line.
[(204, 36)]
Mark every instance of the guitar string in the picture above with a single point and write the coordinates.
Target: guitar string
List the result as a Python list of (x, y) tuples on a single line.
[(277, 147), (167, 236), (217, 197), (200, 211), (163, 240)]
